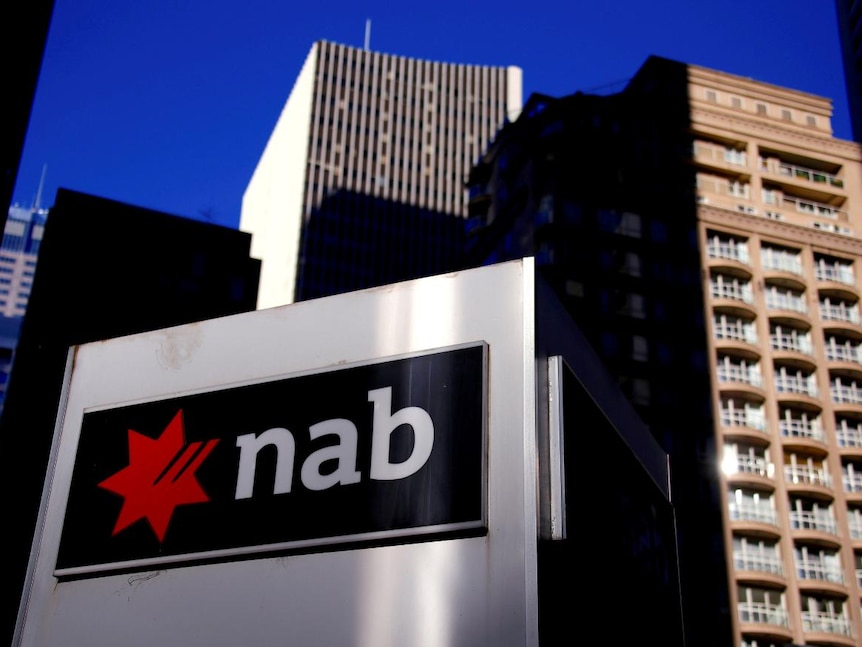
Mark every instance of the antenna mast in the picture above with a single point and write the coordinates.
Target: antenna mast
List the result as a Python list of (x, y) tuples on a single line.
[(37, 204), (367, 33)]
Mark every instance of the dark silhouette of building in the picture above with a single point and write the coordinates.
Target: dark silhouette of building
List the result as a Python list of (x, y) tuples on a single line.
[(105, 269), (849, 13)]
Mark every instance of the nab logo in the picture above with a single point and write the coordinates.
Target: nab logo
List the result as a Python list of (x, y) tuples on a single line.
[(376, 452), (160, 476)]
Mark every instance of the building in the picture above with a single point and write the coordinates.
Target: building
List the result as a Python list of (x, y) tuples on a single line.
[(369, 142), (705, 232), (850, 32), (106, 269)]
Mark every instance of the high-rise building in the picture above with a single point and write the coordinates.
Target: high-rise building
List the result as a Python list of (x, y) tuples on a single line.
[(850, 31), (369, 147), (705, 232)]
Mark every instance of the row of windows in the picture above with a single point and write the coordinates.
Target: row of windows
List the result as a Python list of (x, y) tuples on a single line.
[(759, 107)]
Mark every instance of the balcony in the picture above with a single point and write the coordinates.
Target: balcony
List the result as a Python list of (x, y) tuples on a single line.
[(852, 482), (789, 339), (839, 312), (777, 299), (813, 520), (722, 287), (712, 153), (774, 166), (854, 525), (742, 373), (797, 384), (780, 260), (726, 328), (807, 475), (825, 623), (728, 250), (747, 464), (815, 569), (835, 272), (801, 428), (732, 415), (845, 393), (843, 351), (848, 436), (760, 562), (750, 511), (760, 613), (811, 207)]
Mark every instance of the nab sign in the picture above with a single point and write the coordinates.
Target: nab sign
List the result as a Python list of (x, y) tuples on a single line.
[(379, 452)]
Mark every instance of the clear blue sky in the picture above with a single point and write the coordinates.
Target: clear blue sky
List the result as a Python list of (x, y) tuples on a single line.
[(167, 104)]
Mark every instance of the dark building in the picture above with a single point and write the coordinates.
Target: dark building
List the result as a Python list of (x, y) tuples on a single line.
[(700, 229), (105, 269), (849, 14)]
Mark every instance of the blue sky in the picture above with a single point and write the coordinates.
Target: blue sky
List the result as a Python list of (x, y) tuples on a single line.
[(168, 104)]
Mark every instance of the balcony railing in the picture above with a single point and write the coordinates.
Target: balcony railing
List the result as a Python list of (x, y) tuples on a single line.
[(720, 289), (839, 312), (762, 562), (845, 393), (845, 352), (777, 167), (779, 300), (796, 428), (854, 525), (792, 341), (761, 613), (852, 482), (811, 520), (826, 623), (729, 250), (752, 465), (773, 259), (834, 272), (814, 569), (848, 436), (734, 330), (749, 511), (811, 207), (712, 153), (806, 475), (728, 372), (800, 384), (743, 417)]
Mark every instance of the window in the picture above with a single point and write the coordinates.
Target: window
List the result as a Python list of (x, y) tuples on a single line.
[(761, 109), (711, 96), (786, 115), (811, 120), (736, 102), (640, 348)]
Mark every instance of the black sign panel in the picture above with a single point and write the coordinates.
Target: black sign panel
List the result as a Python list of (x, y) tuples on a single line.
[(394, 449)]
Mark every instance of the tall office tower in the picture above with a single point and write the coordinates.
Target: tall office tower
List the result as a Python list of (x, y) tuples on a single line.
[(365, 168), (705, 232), (850, 32)]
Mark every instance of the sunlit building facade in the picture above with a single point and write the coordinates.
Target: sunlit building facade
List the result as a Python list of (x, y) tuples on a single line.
[(705, 231), (369, 142)]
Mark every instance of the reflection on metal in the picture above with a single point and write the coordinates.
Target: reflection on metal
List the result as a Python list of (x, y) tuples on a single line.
[(556, 464)]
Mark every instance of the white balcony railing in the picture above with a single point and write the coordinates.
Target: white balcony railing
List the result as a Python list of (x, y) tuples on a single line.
[(776, 167), (843, 352), (826, 623), (760, 613), (722, 288), (854, 525), (836, 272), (807, 475), (728, 249), (848, 436), (750, 511), (801, 428), (811, 207), (812, 520), (712, 153), (852, 482), (742, 373), (746, 416), (778, 259), (839, 312), (791, 340), (814, 569), (762, 562), (745, 464), (734, 329), (798, 383), (845, 393), (785, 300)]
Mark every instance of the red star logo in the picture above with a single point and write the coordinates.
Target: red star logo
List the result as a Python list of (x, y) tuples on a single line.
[(160, 476)]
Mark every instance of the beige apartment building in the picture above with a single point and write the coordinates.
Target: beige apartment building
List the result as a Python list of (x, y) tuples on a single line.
[(780, 223)]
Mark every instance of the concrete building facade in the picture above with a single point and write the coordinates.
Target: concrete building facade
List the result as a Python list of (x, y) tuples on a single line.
[(705, 231), (381, 138)]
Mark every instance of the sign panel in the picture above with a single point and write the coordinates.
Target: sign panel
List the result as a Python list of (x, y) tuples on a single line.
[(392, 450)]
